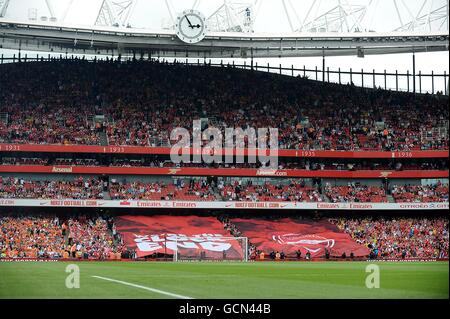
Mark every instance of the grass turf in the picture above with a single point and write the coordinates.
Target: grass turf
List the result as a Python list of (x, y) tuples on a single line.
[(225, 280)]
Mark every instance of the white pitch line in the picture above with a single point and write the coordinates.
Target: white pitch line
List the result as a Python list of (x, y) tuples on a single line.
[(145, 288)]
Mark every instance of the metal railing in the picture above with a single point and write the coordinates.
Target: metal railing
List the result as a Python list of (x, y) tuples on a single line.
[(434, 83)]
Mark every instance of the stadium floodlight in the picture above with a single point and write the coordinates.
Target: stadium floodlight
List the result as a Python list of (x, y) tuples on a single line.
[(209, 247)]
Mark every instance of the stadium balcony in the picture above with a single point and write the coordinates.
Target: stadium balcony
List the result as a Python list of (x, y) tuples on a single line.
[(157, 165), (206, 190)]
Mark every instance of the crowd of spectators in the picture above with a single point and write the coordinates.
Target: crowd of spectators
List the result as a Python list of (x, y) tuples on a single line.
[(93, 237), (247, 191), (420, 193), (31, 237), (82, 237), (47, 103), (194, 190), (229, 226), (24, 161), (140, 102), (78, 188), (355, 192), (399, 237), (190, 189)]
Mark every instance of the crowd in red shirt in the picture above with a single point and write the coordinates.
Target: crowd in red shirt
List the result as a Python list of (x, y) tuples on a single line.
[(420, 193), (195, 190), (50, 237), (139, 103), (355, 192), (78, 188), (399, 237), (294, 191), (204, 190), (31, 237), (94, 237)]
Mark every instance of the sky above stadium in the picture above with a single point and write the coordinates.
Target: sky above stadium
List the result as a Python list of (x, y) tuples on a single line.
[(270, 17)]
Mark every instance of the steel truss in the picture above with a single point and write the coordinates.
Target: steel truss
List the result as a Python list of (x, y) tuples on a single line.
[(115, 13)]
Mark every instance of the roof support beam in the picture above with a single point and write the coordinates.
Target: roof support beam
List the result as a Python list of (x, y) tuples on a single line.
[(3, 7)]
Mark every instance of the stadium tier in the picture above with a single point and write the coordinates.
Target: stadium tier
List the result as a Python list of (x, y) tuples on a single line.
[(204, 190), (210, 238), (138, 103)]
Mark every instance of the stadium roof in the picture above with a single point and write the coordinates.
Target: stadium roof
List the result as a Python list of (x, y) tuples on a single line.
[(73, 39), (236, 29)]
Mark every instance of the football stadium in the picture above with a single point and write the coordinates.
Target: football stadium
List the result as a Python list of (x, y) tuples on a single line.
[(224, 149)]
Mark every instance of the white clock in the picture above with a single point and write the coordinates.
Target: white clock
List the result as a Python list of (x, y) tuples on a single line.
[(191, 26)]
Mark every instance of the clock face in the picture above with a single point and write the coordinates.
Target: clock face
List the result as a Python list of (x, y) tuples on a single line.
[(191, 26)]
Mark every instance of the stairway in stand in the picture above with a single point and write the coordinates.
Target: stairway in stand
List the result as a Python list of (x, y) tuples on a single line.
[(103, 138)]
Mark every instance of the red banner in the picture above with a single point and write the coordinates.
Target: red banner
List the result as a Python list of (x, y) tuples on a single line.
[(289, 235), (189, 235), (166, 151), (192, 171)]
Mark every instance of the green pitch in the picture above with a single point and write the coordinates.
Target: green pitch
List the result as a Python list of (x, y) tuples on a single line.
[(223, 280)]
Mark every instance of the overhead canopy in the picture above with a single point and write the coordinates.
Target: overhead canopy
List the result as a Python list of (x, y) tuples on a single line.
[(112, 41)]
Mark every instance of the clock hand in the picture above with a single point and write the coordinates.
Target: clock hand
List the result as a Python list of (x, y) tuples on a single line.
[(190, 24)]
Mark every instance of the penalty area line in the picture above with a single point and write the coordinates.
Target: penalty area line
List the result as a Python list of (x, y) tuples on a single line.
[(162, 292)]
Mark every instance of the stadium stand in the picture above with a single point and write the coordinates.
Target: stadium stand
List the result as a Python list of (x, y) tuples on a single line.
[(399, 237), (94, 237), (355, 192), (190, 189), (107, 237), (269, 192), (79, 188), (137, 103), (77, 102), (195, 190), (420, 193), (53, 237), (31, 236)]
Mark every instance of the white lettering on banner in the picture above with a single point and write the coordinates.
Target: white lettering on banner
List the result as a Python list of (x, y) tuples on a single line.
[(312, 243), (209, 245), (148, 246), (145, 244), (219, 204), (156, 238), (182, 244), (211, 242)]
